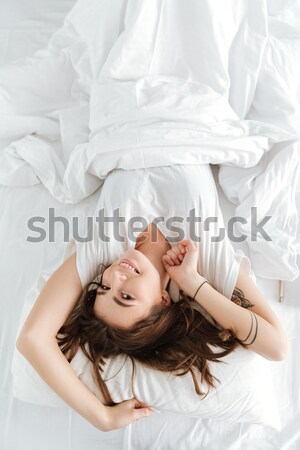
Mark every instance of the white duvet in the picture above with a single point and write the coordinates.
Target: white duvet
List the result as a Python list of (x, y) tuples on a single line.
[(132, 84)]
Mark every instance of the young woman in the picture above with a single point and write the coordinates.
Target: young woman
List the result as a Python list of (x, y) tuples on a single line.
[(162, 297)]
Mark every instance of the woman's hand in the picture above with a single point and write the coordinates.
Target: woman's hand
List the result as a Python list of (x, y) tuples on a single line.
[(124, 413), (181, 263)]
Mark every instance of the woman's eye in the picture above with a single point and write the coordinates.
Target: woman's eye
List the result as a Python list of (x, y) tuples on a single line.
[(124, 296), (128, 297)]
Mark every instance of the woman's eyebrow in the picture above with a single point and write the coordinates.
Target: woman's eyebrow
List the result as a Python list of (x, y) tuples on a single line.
[(116, 300)]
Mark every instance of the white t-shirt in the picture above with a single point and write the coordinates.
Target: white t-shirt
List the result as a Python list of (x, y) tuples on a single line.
[(164, 192)]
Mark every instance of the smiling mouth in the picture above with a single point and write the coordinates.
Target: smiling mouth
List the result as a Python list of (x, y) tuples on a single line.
[(127, 264)]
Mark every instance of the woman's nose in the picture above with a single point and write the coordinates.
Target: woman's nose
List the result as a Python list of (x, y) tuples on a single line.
[(117, 280)]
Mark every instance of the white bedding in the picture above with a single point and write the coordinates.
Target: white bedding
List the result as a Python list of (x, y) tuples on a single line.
[(25, 30), (245, 393), (58, 429), (140, 85)]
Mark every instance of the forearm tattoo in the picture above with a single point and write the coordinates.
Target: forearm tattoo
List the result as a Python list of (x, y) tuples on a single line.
[(238, 297)]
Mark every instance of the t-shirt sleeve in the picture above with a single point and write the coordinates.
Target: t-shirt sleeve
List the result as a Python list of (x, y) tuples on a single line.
[(221, 269), (224, 265), (219, 262), (88, 257)]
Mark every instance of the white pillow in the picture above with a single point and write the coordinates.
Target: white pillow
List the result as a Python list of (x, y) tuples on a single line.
[(246, 392)]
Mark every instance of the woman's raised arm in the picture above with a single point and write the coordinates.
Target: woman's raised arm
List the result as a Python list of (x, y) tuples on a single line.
[(270, 341), (37, 343), (265, 335)]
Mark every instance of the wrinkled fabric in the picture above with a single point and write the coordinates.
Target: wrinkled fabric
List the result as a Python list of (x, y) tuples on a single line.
[(136, 84)]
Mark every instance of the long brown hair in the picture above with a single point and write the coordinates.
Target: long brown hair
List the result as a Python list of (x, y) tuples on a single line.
[(172, 338)]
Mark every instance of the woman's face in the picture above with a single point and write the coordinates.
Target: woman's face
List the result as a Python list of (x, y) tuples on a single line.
[(127, 295)]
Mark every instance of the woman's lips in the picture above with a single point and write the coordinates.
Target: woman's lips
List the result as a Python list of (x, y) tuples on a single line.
[(128, 261)]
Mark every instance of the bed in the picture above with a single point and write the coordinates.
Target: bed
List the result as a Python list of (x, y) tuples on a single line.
[(24, 30)]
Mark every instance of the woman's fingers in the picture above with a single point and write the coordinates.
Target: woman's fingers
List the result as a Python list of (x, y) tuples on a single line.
[(141, 409), (168, 260), (182, 249), (177, 251), (126, 412), (188, 244), (176, 254), (173, 255)]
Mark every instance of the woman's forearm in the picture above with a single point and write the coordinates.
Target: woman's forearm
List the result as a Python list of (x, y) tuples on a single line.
[(229, 315), (48, 360)]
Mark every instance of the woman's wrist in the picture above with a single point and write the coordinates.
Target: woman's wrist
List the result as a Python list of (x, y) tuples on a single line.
[(191, 283)]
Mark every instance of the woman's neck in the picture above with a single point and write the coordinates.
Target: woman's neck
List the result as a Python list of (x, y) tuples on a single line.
[(152, 243)]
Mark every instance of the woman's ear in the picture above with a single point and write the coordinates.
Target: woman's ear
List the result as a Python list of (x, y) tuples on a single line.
[(165, 298)]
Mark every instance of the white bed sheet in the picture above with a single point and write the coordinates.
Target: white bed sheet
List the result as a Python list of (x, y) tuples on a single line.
[(24, 28)]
